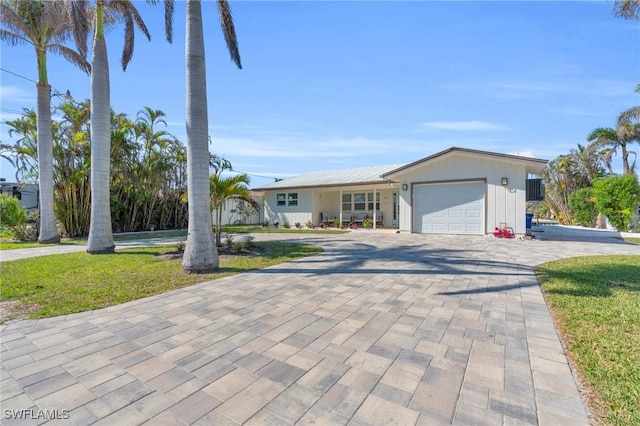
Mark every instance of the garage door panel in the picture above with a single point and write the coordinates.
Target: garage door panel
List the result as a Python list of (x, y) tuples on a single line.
[(449, 208)]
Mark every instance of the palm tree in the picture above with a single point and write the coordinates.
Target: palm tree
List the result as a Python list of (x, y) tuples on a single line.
[(100, 231), (227, 188), (626, 9), (23, 154), (201, 254), (44, 25), (626, 132)]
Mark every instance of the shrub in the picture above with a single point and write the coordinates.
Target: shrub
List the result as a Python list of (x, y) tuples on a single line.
[(336, 223), (366, 223), (583, 208), (286, 224), (309, 224), (617, 197), (503, 233), (13, 218), (297, 225)]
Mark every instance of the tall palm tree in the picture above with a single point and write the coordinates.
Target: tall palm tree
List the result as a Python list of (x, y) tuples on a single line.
[(201, 254), (44, 25), (100, 231), (227, 188), (626, 132)]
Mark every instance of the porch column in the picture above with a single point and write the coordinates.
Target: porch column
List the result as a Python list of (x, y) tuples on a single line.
[(340, 211), (375, 212)]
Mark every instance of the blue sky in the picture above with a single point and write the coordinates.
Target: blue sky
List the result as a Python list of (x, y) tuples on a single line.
[(331, 84)]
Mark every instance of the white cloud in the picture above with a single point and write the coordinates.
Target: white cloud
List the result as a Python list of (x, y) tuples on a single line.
[(304, 147), (472, 125), (16, 94)]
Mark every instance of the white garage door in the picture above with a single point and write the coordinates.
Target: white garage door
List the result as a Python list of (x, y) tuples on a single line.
[(452, 208)]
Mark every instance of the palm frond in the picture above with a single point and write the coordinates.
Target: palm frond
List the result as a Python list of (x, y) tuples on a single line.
[(129, 40), (627, 9), (632, 114), (602, 135), (228, 29), (13, 22), (71, 56), (127, 11), (13, 39), (168, 19), (80, 23)]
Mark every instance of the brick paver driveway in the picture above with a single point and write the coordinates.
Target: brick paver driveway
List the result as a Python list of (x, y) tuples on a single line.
[(379, 329)]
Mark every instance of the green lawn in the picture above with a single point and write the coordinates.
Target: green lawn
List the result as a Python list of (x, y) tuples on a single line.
[(632, 240), (55, 285), (596, 302), (239, 229)]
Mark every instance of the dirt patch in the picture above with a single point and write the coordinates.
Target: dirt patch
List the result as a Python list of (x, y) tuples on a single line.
[(13, 310), (224, 252)]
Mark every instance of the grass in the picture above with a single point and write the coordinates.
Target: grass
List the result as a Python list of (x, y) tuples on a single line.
[(63, 284), (6, 244), (632, 240), (596, 303)]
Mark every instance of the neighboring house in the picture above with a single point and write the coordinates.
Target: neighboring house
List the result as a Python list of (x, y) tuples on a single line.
[(456, 191), (238, 212)]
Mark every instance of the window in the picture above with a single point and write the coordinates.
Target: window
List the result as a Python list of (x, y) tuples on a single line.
[(346, 202), (287, 199), (370, 201), (359, 201)]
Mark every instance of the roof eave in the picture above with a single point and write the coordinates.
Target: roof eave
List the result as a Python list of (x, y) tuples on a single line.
[(405, 168)]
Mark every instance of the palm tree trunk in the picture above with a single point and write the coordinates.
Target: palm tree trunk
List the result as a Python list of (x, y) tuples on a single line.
[(48, 230), (200, 254), (100, 234)]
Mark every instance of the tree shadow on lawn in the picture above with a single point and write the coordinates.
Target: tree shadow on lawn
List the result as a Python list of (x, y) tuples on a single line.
[(592, 281)]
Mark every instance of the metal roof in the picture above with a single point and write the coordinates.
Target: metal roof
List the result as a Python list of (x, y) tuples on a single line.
[(355, 176)]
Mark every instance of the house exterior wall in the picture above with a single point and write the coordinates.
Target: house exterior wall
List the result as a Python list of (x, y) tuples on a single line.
[(313, 202), (503, 204), (301, 213)]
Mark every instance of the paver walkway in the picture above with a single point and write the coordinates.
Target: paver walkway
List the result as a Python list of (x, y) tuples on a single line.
[(378, 329)]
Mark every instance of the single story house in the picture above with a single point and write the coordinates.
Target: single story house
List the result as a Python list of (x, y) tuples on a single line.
[(456, 191)]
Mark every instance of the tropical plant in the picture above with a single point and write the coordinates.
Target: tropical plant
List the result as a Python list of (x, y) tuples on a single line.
[(22, 154), (583, 207), (146, 190), (71, 168), (626, 132), (201, 254), (617, 197), (571, 172), (227, 188), (12, 216), (560, 182), (44, 25)]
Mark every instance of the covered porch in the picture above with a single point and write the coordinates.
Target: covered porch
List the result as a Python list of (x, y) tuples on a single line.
[(374, 206)]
